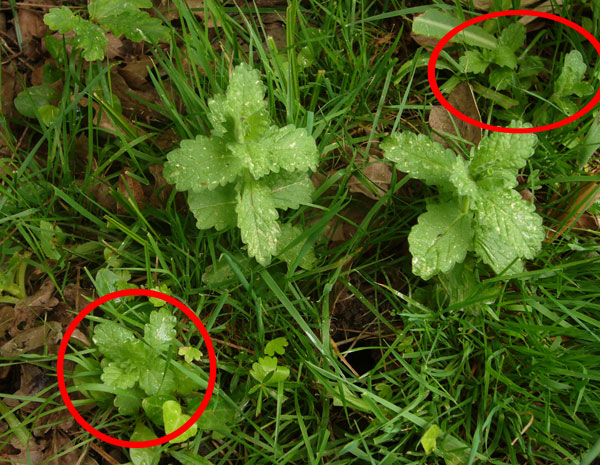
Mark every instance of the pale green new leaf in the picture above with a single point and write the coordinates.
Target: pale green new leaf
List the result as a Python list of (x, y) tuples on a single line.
[(160, 332), (120, 375), (190, 354), (508, 227), (501, 155), (289, 190), (257, 220), (267, 367), (442, 237), (276, 346), (110, 338), (127, 405), (420, 157), (214, 209), (201, 164), (572, 73), (174, 419), (429, 439), (287, 148), (144, 455)]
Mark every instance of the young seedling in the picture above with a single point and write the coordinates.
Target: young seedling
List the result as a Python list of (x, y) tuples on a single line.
[(477, 209), (247, 169), (119, 17)]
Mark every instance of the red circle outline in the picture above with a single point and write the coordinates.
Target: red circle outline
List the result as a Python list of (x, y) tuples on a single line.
[(444, 40), (209, 348)]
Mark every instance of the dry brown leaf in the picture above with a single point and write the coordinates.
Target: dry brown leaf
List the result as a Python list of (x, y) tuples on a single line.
[(31, 24), (588, 194), (7, 318), (441, 120), (32, 452), (130, 188), (7, 90), (113, 48), (30, 308), (33, 381), (135, 73), (32, 339), (378, 172)]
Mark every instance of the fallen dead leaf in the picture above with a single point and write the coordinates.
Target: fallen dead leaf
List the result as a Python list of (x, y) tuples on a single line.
[(31, 24), (32, 339), (377, 172), (29, 309), (32, 452), (131, 189), (442, 121)]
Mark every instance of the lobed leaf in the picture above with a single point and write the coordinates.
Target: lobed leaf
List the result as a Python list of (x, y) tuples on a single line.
[(289, 190), (110, 338), (257, 220), (201, 164), (420, 157), (160, 331), (512, 36), (500, 155), (214, 209)]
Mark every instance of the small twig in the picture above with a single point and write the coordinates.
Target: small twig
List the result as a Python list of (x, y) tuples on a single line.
[(105, 455), (343, 359)]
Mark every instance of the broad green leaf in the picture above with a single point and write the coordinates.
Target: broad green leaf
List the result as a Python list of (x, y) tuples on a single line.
[(473, 61), (143, 455), (257, 220), (287, 148), (185, 384), (127, 405), (436, 23), (500, 155), (152, 406), (99, 9), (288, 234), (442, 237), (501, 78), (158, 302), (289, 190), (110, 338), (214, 209), (138, 353), (108, 281), (512, 36), (160, 331), (507, 228), (49, 114), (34, 97), (136, 25), (190, 354), (91, 38), (201, 164), (491, 247), (421, 157), (50, 237), (60, 19), (429, 438), (267, 369), (504, 56), (276, 346), (530, 65), (155, 378), (189, 458), (462, 181), (572, 73), (120, 375), (173, 419)]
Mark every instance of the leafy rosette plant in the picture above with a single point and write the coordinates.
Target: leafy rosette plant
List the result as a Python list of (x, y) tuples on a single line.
[(247, 169), (478, 208)]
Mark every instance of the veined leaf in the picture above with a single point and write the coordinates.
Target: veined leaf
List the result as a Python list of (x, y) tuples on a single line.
[(421, 157), (289, 190), (442, 237), (436, 23), (201, 164), (214, 208), (257, 220)]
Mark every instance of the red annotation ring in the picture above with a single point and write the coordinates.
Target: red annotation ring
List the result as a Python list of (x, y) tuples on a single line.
[(209, 348), (444, 40)]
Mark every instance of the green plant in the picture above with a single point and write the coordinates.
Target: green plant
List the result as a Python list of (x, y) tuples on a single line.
[(141, 373), (478, 209), (119, 17), (247, 169)]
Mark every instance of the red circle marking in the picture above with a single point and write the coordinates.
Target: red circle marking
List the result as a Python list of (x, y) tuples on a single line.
[(209, 348), (444, 40)]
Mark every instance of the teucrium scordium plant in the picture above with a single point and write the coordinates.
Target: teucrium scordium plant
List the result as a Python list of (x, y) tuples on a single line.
[(247, 169), (477, 208)]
